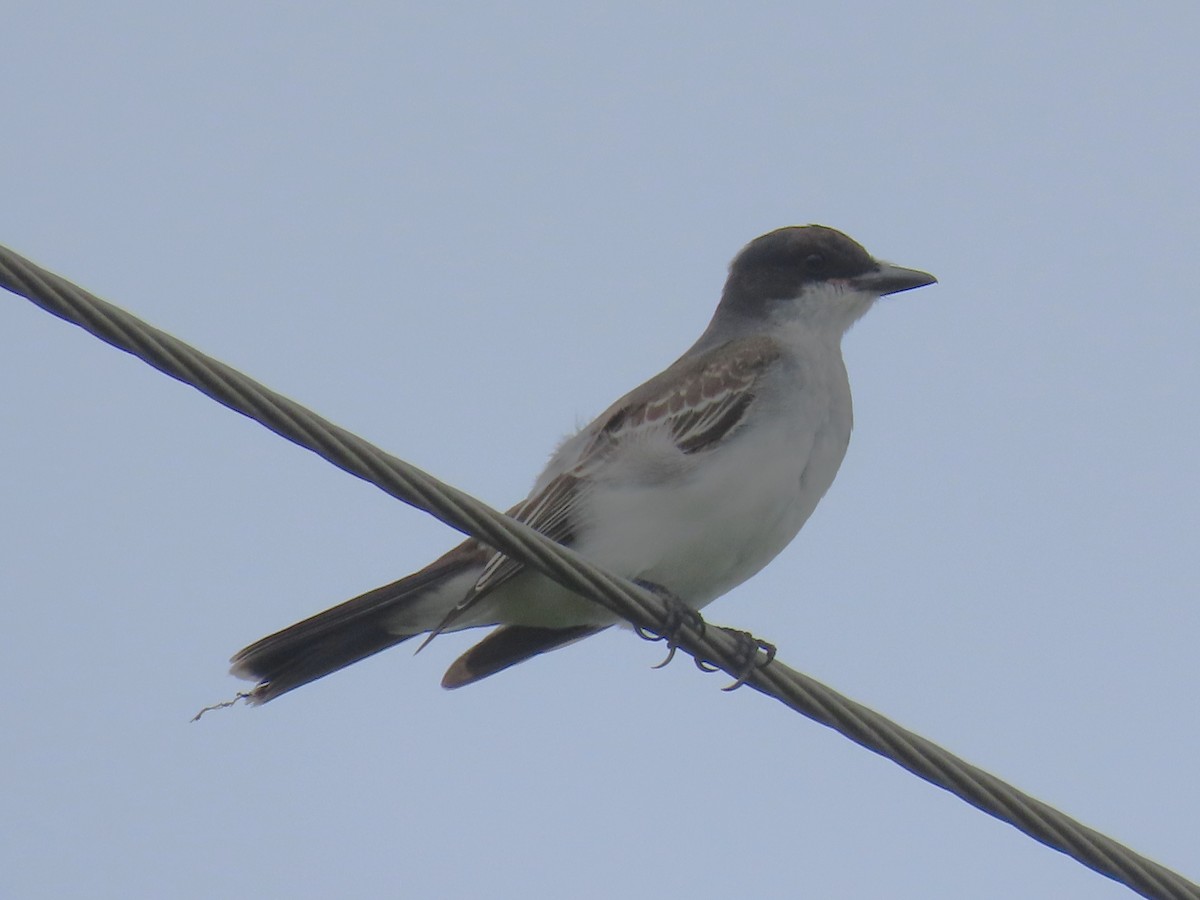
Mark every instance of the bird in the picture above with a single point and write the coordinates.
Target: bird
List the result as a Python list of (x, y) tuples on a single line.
[(689, 484)]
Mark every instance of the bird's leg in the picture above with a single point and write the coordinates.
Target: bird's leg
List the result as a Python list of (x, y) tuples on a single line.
[(747, 656), (678, 615)]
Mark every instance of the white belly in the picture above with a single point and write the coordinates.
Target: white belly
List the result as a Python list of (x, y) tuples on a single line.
[(704, 534)]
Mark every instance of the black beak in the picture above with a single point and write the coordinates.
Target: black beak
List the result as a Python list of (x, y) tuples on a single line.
[(890, 279)]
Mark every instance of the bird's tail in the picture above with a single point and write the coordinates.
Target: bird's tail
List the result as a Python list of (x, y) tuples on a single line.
[(348, 632)]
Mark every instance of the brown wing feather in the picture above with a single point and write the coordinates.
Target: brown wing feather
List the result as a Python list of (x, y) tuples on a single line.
[(509, 645)]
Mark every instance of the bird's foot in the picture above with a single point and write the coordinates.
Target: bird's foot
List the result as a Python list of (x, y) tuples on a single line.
[(748, 659), (679, 614)]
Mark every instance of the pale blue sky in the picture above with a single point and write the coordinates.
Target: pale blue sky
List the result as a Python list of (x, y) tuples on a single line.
[(404, 218)]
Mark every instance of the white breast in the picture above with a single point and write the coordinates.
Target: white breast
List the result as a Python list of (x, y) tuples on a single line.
[(702, 524)]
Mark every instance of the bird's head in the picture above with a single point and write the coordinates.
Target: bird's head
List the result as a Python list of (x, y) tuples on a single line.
[(810, 274)]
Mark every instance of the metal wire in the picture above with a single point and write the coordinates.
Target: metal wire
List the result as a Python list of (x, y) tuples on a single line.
[(466, 514)]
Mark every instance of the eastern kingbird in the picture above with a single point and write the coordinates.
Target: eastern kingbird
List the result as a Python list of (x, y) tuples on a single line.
[(691, 482)]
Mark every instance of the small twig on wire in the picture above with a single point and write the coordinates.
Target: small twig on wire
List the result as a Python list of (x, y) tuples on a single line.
[(640, 607)]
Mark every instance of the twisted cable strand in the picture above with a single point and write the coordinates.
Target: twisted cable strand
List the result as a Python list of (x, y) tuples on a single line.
[(466, 514)]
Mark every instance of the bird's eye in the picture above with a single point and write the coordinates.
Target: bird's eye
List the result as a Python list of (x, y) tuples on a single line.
[(815, 263)]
